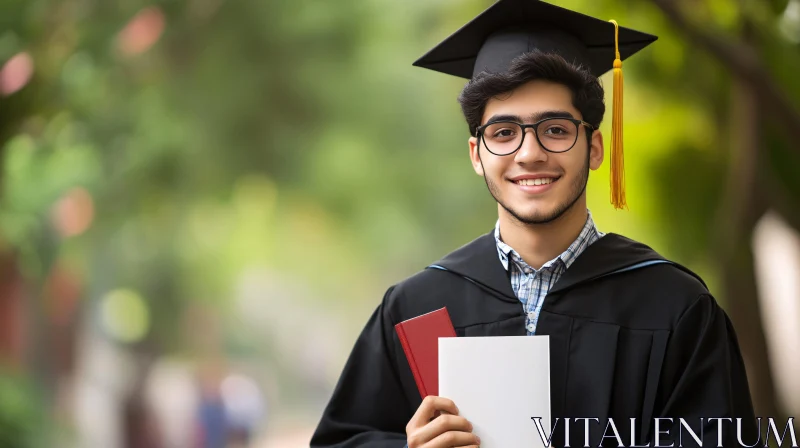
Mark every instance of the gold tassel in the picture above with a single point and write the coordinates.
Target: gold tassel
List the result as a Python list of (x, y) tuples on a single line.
[(617, 157)]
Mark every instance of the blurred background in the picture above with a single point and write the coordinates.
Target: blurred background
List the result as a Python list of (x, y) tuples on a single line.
[(202, 201)]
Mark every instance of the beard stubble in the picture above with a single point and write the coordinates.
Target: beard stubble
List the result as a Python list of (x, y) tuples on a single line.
[(576, 190)]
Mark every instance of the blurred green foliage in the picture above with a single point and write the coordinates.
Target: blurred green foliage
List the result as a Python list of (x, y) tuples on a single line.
[(21, 417), (296, 137)]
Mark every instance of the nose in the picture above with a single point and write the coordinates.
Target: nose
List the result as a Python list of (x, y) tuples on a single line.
[(530, 151)]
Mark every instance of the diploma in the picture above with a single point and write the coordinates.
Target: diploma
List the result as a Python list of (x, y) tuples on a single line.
[(501, 385)]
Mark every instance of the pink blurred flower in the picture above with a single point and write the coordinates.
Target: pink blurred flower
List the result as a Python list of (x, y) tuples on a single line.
[(141, 32), (16, 73), (73, 213)]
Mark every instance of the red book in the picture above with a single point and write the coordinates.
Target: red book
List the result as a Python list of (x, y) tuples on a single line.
[(419, 337)]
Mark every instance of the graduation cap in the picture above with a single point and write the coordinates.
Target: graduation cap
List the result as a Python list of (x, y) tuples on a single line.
[(510, 28)]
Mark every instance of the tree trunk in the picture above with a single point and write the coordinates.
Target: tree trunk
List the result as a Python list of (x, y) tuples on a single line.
[(739, 212), (754, 94)]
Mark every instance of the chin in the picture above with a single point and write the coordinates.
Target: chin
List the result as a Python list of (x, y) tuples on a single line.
[(537, 209), (538, 215)]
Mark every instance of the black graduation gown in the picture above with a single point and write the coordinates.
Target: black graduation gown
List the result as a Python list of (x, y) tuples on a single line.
[(629, 339)]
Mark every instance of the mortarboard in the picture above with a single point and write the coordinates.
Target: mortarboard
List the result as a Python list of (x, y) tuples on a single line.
[(510, 28)]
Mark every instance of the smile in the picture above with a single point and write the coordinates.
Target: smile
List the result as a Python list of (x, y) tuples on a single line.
[(539, 181), (537, 186)]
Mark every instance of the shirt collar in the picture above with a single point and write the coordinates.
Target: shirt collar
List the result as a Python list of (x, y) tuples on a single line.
[(503, 249), (589, 234)]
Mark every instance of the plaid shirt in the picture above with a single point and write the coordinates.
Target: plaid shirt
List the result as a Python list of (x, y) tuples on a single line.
[(531, 286)]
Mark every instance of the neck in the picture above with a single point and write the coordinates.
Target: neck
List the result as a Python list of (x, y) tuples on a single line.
[(539, 243)]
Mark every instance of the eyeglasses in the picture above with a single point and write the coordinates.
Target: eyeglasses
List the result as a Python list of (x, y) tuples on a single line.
[(502, 138)]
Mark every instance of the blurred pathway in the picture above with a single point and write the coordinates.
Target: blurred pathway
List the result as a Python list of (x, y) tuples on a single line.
[(287, 437)]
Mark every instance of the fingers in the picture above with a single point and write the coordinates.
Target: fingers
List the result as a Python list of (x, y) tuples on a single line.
[(428, 408), (436, 424), (445, 424), (446, 431), (453, 439)]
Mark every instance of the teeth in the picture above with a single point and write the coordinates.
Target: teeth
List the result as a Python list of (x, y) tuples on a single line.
[(540, 181)]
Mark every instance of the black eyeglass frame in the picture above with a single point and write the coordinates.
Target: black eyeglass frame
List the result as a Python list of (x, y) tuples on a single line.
[(535, 126)]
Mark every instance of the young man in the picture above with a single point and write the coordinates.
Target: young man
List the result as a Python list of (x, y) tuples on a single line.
[(632, 335)]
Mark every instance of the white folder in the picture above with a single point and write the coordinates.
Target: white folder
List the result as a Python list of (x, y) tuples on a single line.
[(500, 384)]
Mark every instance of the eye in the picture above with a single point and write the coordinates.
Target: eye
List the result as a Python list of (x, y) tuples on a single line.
[(503, 133), (557, 131)]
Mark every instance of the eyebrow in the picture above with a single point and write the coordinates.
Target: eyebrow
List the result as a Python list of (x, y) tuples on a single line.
[(534, 117)]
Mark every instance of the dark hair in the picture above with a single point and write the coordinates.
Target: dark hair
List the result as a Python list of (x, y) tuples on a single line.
[(587, 93)]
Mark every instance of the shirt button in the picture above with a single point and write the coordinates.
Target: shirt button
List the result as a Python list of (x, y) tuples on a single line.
[(531, 328)]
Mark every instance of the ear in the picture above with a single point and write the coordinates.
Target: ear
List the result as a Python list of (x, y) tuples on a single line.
[(474, 155), (596, 151)]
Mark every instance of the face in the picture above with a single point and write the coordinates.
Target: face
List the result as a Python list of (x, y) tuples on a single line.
[(532, 185)]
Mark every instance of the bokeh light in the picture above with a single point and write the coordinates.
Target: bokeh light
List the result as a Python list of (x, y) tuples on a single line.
[(142, 32), (73, 213), (15, 73), (125, 315)]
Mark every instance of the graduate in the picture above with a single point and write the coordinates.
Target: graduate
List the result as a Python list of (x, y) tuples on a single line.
[(632, 335)]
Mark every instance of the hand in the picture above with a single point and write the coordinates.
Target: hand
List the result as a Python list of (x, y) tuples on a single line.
[(428, 429)]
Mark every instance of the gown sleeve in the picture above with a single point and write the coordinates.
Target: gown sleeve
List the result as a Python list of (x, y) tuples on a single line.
[(368, 406), (704, 377)]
